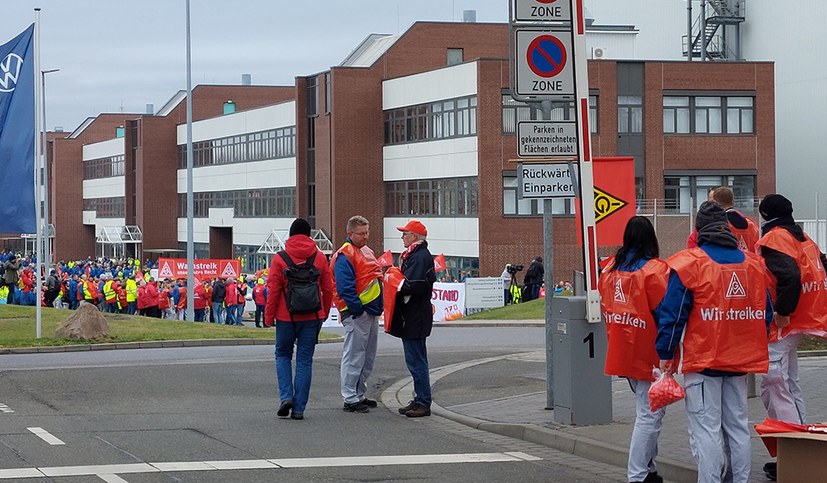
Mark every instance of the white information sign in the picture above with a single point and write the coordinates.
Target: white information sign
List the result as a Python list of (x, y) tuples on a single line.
[(484, 293), (544, 63), (545, 181), (547, 139), (542, 10)]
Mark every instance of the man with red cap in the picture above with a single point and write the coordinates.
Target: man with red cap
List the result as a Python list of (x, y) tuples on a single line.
[(413, 316)]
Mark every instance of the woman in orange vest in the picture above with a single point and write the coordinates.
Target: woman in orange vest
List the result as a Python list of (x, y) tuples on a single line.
[(800, 307), (631, 286), (715, 314)]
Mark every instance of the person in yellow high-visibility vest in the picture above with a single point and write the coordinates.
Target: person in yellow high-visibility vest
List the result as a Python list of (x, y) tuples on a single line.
[(110, 295), (131, 295)]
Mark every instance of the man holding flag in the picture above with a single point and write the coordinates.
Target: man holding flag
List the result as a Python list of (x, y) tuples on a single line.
[(17, 134)]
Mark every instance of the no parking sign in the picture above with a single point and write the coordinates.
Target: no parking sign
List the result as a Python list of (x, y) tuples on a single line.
[(544, 63)]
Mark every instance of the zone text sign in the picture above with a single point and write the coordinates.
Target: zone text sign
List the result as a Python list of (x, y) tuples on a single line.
[(544, 63), (545, 181), (547, 139), (542, 10)]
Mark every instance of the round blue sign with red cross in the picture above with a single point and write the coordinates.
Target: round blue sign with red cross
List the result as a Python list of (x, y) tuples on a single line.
[(546, 56)]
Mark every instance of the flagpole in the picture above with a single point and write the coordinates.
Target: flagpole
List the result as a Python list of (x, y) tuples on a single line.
[(190, 198), (38, 149)]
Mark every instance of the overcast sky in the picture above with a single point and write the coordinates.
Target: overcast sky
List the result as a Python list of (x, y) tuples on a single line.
[(117, 55)]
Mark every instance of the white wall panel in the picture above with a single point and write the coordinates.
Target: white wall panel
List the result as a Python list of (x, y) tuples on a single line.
[(445, 158), (104, 187), (447, 83), (103, 149), (253, 120), (90, 218), (456, 237), (246, 231), (272, 173)]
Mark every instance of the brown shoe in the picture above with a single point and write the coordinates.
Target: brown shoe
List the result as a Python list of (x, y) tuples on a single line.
[(418, 411), (408, 407)]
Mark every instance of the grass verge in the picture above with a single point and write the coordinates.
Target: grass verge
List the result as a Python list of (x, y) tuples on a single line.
[(18, 329)]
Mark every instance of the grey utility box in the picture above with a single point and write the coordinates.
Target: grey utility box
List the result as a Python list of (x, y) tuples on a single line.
[(582, 393)]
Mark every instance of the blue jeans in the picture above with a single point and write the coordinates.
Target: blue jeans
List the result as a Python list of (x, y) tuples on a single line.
[(416, 358), (218, 312), (239, 314), (229, 316), (199, 314), (304, 335)]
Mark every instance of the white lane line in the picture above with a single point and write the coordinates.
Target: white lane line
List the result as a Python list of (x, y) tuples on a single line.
[(112, 479), (46, 436), (5, 409), (109, 472)]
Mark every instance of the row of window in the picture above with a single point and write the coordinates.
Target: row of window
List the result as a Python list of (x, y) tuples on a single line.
[(708, 114), (255, 203), (114, 207), (434, 120), (432, 197), (257, 146), (103, 167), (514, 111), (681, 191)]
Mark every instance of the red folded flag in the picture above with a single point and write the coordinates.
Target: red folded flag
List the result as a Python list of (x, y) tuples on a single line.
[(439, 263), (771, 426), (386, 260)]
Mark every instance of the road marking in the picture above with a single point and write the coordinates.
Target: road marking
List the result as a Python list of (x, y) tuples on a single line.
[(109, 473), (112, 479), (5, 409), (46, 436)]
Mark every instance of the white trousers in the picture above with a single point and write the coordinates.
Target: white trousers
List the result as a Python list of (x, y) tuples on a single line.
[(716, 408), (780, 389), (358, 355), (643, 447)]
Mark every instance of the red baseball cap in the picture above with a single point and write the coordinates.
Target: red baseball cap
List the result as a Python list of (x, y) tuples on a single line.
[(414, 226)]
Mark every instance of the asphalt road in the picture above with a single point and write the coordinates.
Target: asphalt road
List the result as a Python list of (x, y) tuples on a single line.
[(208, 414)]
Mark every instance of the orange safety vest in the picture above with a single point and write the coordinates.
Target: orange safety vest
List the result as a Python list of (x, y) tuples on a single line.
[(726, 330), (747, 237), (627, 300), (367, 272), (810, 315)]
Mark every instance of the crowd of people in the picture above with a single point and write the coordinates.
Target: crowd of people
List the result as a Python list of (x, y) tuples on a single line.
[(736, 301), (125, 286)]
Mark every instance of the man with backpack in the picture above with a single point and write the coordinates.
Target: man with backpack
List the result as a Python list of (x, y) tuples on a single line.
[(300, 294)]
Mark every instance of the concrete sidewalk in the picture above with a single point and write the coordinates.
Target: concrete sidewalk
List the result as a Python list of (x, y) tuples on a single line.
[(506, 395)]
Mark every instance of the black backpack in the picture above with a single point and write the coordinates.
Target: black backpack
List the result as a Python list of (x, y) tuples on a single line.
[(301, 293)]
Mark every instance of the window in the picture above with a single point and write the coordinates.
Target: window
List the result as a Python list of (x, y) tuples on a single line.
[(448, 197), (681, 191), (250, 203), (435, 120), (104, 167), (114, 207), (593, 114), (327, 93), (705, 114), (454, 56), (629, 114), (514, 111), (514, 206), (312, 97), (258, 146)]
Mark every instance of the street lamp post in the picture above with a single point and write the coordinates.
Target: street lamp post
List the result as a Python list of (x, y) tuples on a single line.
[(47, 250)]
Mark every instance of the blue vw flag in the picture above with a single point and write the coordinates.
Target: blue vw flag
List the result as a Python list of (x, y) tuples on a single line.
[(17, 206)]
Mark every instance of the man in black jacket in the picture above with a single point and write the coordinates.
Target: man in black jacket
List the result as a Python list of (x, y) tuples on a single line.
[(219, 290), (413, 316), (533, 280)]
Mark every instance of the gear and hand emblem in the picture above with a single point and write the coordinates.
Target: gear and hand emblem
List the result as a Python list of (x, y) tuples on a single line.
[(605, 204)]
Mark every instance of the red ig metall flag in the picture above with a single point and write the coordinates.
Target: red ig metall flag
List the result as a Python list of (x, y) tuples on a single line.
[(614, 199), (439, 263), (386, 260)]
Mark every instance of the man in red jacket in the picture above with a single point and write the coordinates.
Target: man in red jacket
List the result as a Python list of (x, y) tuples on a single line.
[(200, 301), (260, 299), (301, 329), (152, 309)]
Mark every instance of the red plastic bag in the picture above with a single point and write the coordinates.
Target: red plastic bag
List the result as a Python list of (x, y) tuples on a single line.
[(664, 391)]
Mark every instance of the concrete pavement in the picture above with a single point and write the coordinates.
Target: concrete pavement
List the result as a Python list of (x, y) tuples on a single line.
[(521, 413)]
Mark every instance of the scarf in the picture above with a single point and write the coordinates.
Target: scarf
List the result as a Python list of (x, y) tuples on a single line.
[(413, 246)]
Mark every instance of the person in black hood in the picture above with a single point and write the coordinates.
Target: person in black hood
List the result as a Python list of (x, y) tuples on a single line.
[(800, 302)]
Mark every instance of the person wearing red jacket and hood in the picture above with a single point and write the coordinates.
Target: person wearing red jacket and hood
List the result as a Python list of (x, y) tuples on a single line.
[(152, 300), (301, 329), (230, 300), (200, 301)]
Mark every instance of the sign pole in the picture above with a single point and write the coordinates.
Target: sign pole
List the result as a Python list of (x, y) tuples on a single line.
[(548, 279)]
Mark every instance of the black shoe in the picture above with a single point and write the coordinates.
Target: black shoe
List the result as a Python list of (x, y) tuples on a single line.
[(771, 470), (418, 411), (408, 407), (358, 407), (653, 477), (284, 409), (369, 403), (296, 415)]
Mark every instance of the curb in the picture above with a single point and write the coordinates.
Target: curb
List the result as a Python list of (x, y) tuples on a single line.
[(583, 447), (157, 344)]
